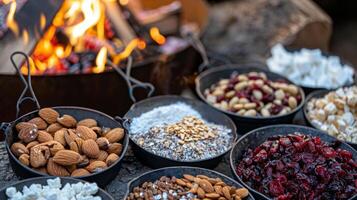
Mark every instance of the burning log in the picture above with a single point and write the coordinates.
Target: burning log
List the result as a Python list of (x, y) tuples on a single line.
[(247, 29)]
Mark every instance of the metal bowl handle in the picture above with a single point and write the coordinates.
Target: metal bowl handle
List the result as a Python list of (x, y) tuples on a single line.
[(123, 121), (130, 81), (27, 83)]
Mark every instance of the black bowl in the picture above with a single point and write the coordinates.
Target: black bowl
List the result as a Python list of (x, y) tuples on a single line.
[(178, 172), (208, 113), (258, 136), (101, 178), (319, 94), (244, 123), (43, 181)]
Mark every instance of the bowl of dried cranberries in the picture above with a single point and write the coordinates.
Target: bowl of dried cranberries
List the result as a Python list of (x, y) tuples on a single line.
[(252, 96), (295, 162)]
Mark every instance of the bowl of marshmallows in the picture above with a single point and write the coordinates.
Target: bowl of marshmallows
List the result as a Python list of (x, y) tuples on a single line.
[(311, 69)]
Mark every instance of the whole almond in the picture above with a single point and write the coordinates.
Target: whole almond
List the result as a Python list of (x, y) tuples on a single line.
[(242, 192), (80, 172), (212, 195), (102, 155), (49, 115), (39, 122), (70, 136), (206, 185), (200, 193), (18, 149), (226, 192), (31, 144), (28, 133), (53, 128), (96, 166), (43, 136), (59, 136), (55, 169), (39, 155), (189, 177), (25, 159), (111, 159), (79, 142), (103, 143), (90, 148), (115, 148), (67, 121), (74, 147), (21, 125), (87, 122), (180, 182), (218, 189), (86, 133), (67, 157), (115, 135)]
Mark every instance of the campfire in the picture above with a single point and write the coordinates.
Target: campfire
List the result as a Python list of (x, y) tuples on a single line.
[(80, 40)]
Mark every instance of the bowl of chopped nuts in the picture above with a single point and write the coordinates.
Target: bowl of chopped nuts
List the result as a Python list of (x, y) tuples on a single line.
[(53, 188), (253, 97), (185, 183), (294, 162), (334, 112), (176, 131)]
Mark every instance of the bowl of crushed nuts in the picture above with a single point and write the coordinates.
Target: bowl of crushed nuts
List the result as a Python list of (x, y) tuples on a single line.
[(53, 188), (253, 97), (334, 112), (66, 141), (176, 131), (185, 183)]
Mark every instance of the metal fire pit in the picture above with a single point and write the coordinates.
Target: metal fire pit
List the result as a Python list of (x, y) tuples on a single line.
[(107, 91)]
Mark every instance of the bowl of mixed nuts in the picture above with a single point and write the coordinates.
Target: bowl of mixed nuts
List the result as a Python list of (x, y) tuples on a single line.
[(175, 131), (253, 97), (66, 141), (334, 112), (294, 162), (185, 183)]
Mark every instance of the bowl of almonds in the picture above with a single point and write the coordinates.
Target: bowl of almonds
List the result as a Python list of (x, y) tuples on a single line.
[(185, 183), (253, 97), (66, 141)]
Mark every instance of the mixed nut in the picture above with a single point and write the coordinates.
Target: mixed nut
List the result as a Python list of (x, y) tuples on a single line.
[(61, 146), (188, 187), (336, 113), (254, 95), (298, 166)]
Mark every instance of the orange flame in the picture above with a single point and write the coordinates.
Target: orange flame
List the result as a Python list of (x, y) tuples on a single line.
[(101, 60), (156, 36), (10, 21), (25, 37), (128, 50), (42, 21), (123, 2)]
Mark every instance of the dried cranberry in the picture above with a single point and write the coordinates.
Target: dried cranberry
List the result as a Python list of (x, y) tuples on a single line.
[(275, 109), (276, 188)]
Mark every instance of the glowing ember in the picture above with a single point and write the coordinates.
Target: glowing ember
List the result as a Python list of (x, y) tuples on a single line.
[(10, 22), (101, 60), (156, 36)]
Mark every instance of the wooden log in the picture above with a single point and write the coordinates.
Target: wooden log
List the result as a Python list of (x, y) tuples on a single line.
[(246, 29)]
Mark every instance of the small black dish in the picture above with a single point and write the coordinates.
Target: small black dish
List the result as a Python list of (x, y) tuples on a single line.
[(244, 123), (102, 178), (178, 172), (208, 113), (43, 181), (258, 136), (318, 94)]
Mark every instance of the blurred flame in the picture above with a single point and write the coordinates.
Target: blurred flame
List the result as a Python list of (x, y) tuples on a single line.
[(10, 22), (123, 2), (7, 1), (24, 69), (127, 51), (42, 21), (156, 36), (59, 52), (25, 37), (91, 12), (101, 60)]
